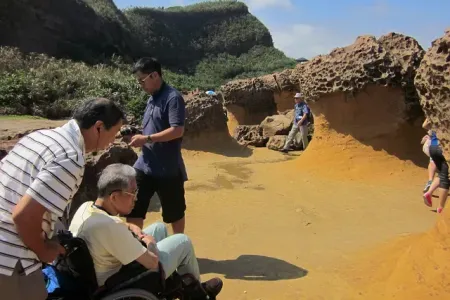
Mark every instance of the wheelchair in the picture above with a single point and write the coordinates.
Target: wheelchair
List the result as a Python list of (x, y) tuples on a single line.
[(76, 278)]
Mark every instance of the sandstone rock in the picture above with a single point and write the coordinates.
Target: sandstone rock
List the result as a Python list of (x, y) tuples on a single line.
[(204, 113), (276, 142), (119, 152), (433, 85), (250, 135), (389, 61), (276, 125)]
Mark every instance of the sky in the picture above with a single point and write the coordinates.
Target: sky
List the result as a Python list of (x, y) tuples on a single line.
[(308, 28)]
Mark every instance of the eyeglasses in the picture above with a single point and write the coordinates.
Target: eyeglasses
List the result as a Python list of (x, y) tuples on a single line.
[(125, 192), (142, 81)]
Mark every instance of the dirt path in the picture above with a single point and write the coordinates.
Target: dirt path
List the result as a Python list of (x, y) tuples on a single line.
[(275, 233)]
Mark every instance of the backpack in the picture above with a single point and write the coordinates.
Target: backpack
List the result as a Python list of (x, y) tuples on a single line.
[(75, 270)]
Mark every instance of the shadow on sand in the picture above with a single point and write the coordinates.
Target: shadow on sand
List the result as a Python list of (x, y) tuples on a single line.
[(252, 267), (221, 143)]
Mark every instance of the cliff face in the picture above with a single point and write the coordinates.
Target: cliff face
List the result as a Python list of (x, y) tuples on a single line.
[(182, 36), (90, 30), (433, 85), (65, 28)]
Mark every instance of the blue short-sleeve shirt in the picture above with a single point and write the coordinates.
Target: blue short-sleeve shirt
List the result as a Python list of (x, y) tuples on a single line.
[(301, 109), (165, 109)]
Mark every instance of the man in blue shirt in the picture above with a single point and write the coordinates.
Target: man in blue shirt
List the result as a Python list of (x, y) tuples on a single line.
[(160, 168), (301, 121)]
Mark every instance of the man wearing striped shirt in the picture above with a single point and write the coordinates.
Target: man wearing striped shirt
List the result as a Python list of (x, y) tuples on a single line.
[(37, 179)]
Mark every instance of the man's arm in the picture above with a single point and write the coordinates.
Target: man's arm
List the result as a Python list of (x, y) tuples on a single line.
[(169, 134), (120, 243), (50, 191), (176, 114), (27, 216)]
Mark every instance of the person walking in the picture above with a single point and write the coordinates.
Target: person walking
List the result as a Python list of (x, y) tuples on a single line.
[(160, 168), (300, 124), (38, 177), (442, 181)]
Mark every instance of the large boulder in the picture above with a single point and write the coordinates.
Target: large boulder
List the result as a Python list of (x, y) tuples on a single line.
[(391, 61), (276, 142), (276, 125), (118, 152), (250, 135), (204, 113), (433, 85)]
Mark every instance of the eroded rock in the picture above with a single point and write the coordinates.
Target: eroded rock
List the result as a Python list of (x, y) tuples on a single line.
[(276, 142), (250, 135), (276, 125), (389, 61), (204, 113), (119, 152), (433, 85)]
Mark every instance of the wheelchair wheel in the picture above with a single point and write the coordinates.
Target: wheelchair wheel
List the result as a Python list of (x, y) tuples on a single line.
[(131, 294)]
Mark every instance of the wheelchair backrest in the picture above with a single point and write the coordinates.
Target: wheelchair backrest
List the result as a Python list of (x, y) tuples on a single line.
[(77, 263)]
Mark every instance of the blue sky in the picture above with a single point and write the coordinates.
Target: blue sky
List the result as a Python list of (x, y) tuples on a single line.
[(308, 28)]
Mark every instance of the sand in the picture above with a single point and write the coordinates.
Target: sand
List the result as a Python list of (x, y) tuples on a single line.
[(343, 220)]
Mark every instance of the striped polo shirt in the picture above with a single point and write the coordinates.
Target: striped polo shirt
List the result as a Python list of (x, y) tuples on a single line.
[(48, 165)]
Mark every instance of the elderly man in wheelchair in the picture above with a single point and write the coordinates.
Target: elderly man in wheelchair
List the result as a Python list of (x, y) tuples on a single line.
[(109, 260)]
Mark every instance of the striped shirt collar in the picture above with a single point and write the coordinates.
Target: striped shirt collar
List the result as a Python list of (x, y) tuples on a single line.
[(74, 131)]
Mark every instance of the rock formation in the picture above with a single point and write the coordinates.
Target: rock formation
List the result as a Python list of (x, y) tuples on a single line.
[(250, 101), (204, 114), (433, 85), (389, 61), (276, 142), (276, 125), (118, 152), (250, 135), (364, 91)]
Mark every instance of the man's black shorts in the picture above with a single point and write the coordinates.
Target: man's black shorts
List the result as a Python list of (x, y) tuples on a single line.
[(170, 192), (441, 165)]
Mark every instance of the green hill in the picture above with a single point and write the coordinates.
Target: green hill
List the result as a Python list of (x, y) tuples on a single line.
[(200, 46)]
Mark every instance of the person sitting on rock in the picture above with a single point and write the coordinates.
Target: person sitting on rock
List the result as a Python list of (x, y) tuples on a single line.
[(300, 125), (112, 244), (442, 181)]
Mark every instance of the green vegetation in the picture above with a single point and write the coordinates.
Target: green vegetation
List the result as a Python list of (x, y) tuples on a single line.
[(182, 37), (200, 46), (36, 84)]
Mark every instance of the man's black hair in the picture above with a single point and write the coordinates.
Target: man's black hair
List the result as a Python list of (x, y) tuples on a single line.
[(98, 109), (147, 65)]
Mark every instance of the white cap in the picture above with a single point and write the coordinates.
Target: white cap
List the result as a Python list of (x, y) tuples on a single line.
[(297, 95)]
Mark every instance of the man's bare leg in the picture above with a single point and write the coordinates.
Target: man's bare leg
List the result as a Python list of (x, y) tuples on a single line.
[(178, 226), (136, 221), (442, 199), (431, 173), (431, 170), (427, 197)]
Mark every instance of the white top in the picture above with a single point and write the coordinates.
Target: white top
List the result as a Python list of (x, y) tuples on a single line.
[(108, 239), (48, 165)]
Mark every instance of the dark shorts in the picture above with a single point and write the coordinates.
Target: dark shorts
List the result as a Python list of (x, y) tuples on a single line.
[(441, 165), (170, 192)]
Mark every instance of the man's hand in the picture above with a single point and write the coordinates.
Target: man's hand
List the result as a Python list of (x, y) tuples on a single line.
[(138, 140), (51, 251), (148, 240), (136, 230)]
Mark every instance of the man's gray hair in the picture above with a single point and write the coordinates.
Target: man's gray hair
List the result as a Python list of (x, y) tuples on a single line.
[(115, 177)]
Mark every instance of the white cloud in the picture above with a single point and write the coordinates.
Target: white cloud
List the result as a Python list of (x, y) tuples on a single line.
[(260, 4), (305, 40)]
